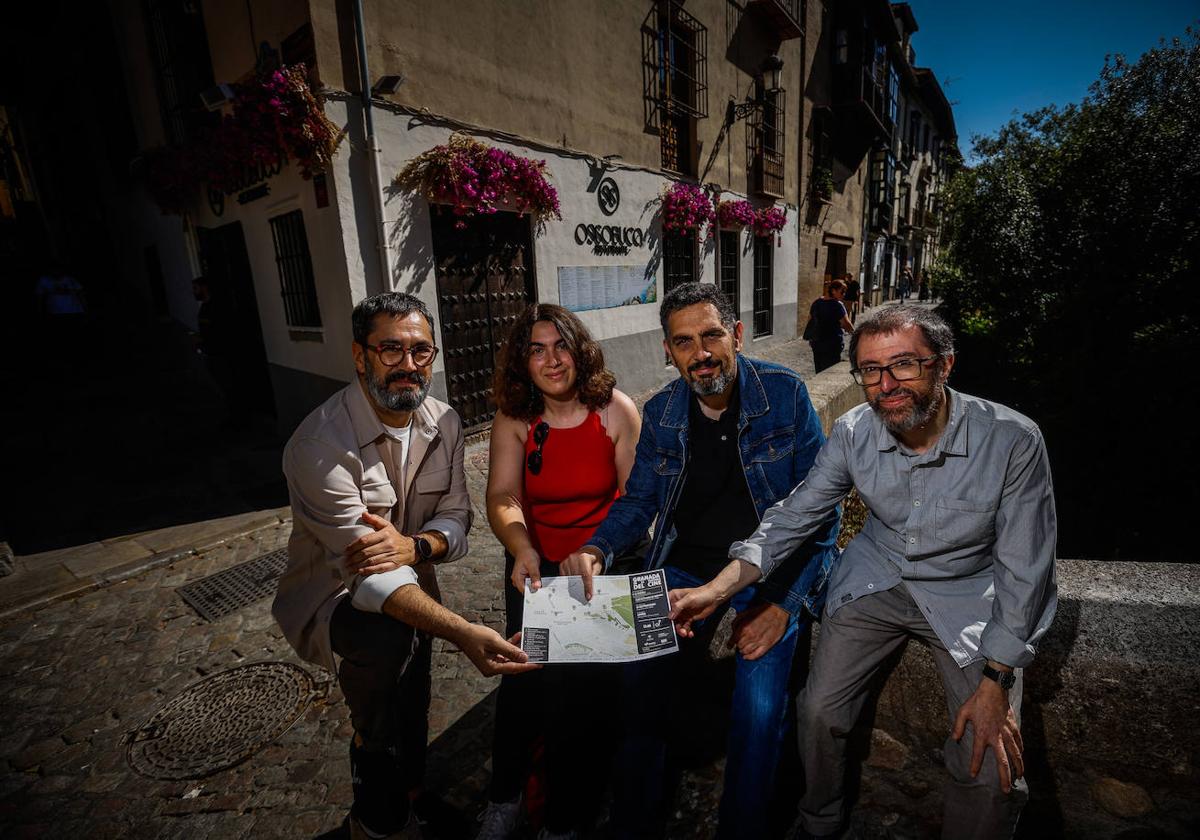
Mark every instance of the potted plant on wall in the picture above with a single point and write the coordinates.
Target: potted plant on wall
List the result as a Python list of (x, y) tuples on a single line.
[(685, 208), (275, 117), (822, 183), (769, 222), (474, 178), (735, 215)]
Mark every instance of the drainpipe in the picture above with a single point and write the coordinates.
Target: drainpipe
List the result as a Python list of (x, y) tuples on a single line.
[(373, 151)]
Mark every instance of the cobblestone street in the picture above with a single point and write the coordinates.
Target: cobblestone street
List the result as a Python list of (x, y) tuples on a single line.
[(79, 676)]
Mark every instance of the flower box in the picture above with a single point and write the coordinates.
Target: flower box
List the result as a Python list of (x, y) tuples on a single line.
[(685, 208), (735, 215), (474, 178)]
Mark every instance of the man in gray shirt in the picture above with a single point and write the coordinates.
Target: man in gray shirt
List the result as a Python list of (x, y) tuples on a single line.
[(958, 551)]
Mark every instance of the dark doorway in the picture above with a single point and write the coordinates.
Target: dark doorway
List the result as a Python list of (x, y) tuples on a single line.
[(835, 261), (485, 278), (239, 359)]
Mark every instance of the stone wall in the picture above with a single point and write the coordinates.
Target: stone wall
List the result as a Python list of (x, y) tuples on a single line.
[(1110, 717)]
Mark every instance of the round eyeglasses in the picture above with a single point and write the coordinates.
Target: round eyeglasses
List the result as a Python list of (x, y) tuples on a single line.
[(393, 354)]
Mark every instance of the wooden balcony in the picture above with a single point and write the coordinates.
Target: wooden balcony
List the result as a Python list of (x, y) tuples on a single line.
[(768, 170)]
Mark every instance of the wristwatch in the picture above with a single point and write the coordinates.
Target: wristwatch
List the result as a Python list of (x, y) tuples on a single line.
[(1006, 679), (423, 547)]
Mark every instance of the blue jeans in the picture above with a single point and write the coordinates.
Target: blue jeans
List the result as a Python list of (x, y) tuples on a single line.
[(761, 715)]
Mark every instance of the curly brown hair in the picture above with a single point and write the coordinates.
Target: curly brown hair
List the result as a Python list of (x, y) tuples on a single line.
[(515, 392)]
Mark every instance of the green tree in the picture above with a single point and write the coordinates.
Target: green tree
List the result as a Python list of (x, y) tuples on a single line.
[(1071, 280)]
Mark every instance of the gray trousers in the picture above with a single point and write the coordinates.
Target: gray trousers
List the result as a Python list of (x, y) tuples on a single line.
[(853, 644)]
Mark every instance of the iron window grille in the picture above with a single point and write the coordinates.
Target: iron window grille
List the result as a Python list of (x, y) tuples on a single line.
[(675, 58), (297, 285), (730, 267), (766, 141), (679, 259), (182, 67), (764, 281)]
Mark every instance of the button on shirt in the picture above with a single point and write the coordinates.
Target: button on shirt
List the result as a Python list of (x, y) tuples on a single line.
[(968, 527)]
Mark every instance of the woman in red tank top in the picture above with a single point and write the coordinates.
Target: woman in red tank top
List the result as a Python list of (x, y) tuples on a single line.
[(562, 446)]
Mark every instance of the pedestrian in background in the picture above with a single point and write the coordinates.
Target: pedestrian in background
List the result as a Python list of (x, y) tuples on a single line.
[(906, 279), (827, 321), (853, 294)]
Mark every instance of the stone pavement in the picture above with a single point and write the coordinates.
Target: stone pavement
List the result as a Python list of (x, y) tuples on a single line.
[(78, 674)]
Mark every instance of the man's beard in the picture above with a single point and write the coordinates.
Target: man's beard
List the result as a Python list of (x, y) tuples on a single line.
[(405, 400), (715, 385), (922, 410)]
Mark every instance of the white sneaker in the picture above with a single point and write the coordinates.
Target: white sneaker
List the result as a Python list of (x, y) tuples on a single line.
[(499, 820)]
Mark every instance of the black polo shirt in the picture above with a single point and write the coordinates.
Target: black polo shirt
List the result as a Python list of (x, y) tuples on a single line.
[(715, 507)]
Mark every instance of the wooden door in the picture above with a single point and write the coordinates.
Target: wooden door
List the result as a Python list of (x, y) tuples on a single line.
[(485, 279)]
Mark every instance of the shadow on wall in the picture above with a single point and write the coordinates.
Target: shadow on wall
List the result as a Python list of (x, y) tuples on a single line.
[(409, 240), (651, 220)]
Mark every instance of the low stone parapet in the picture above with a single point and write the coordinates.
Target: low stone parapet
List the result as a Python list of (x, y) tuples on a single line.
[(1111, 716), (833, 393)]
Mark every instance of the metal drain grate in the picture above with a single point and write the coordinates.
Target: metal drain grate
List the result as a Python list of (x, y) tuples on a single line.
[(220, 721), (238, 586)]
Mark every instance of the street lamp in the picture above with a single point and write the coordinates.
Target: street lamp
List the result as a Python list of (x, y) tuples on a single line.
[(772, 68)]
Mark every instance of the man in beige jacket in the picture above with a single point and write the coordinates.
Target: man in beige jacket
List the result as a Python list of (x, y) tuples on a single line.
[(379, 496)]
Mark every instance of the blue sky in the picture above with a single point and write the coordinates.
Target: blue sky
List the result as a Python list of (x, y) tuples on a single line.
[(994, 59)]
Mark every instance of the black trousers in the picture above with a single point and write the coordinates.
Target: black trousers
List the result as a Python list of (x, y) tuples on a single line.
[(566, 706), (826, 356), (384, 676)]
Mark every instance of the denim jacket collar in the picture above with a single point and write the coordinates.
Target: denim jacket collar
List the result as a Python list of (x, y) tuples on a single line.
[(754, 397)]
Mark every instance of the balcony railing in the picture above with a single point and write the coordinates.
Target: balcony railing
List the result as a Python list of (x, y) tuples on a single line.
[(768, 170), (766, 141), (786, 16)]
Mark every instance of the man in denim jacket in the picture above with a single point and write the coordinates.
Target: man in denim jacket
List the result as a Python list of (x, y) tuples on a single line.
[(718, 446)]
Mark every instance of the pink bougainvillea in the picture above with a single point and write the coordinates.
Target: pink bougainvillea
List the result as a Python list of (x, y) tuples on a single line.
[(686, 207), (274, 116), (735, 214), (475, 178), (769, 221)]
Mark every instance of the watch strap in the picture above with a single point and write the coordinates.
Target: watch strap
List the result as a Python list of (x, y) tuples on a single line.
[(1006, 679)]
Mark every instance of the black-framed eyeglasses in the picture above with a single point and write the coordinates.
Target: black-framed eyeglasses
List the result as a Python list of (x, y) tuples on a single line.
[(901, 371), (393, 354), (540, 432)]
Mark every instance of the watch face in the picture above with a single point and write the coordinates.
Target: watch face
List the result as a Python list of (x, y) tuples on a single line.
[(423, 547)]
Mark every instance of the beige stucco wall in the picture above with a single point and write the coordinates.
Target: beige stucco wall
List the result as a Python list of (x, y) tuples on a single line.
[(567, 73)]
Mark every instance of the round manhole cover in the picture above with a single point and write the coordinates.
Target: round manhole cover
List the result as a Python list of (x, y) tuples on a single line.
[(220, 720)]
